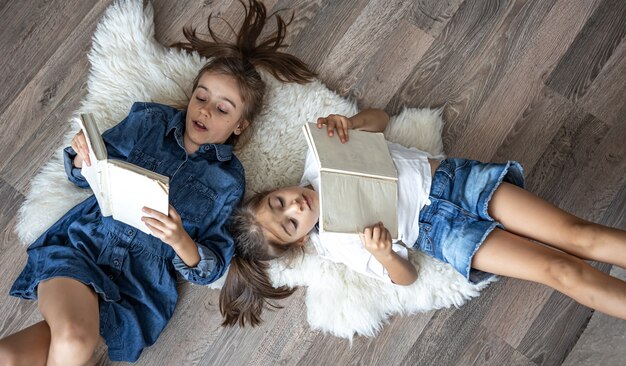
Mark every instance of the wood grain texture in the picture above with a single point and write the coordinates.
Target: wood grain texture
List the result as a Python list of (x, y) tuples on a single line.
[(35, 33), (541, 82), (315, 41), (506, 103), (380, 78), (432, 15), (41, 92), (593, 46), (489, 349), (605, 96)]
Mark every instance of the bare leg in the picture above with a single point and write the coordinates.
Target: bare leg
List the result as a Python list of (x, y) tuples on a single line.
[(527, 215), (71, 310), (29, 346), (510, 255)]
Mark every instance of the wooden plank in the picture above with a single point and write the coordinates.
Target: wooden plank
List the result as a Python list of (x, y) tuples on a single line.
[(226, 348), (16, 313), (49, 87), (31, 34), (535, 128), (43, 143), (571, 149), (508, 99), (591, 49), (171, 16), (10, 201), (605, 96), (303, 11), (449, 332), (466, 62), (489, 349), (380, 78), (315, 42), (517, 303), (615, 214), (555, 331), (388, 347), (605, 176), (432, 15), (370, 31), (287, 337)]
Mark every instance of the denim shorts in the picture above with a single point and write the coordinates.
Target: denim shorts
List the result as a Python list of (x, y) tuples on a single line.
[(456, 223)]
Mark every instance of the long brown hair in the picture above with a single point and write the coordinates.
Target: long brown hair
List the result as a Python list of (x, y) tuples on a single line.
[(248, 289), (240, 59)]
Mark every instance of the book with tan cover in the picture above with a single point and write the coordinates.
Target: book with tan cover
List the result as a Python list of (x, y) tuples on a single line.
[(358, 181), (121, 188)]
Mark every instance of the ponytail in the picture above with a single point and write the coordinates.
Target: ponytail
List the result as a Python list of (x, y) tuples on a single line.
[(247, 291)]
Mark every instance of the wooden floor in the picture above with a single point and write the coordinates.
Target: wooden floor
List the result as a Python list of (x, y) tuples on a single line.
[(538, 81)]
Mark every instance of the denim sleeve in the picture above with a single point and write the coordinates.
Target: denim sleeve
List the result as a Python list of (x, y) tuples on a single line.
[(74, 174), (121, 138), (215, 246)]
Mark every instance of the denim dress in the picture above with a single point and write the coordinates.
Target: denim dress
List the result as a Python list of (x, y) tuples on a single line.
[(133, 273)]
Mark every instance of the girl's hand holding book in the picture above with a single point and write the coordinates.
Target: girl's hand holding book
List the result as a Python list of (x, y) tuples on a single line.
[(336, 122), (372, 120), (169, 228), (79, 144), (377, 240)]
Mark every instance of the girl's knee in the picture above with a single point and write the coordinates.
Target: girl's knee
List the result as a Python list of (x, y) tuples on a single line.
[(564, 273), (73, 343)]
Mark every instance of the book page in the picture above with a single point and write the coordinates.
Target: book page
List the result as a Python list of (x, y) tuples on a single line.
[(365, 153), (130, 191)]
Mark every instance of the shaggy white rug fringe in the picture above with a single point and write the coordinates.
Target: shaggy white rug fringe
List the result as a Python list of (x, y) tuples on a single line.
[(128, 65)]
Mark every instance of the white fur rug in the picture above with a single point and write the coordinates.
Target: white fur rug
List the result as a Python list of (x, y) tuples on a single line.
[(127, 65)]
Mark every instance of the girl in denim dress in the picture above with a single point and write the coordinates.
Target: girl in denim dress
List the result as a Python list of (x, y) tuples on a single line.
[(96, 276), (475, 216)]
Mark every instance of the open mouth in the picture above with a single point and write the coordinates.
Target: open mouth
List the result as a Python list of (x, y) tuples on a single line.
[(199, 126)]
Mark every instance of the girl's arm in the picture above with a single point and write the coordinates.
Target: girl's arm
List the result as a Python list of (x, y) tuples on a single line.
[(377, 240), (203, 259), (371, 120)]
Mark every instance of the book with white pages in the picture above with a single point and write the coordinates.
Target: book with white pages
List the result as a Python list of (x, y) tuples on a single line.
[(358, 181), (122, 189)]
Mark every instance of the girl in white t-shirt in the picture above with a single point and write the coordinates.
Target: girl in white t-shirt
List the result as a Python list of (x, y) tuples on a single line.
[(475, 216)]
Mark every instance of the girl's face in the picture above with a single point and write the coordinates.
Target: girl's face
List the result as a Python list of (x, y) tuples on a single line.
[(287, 215), (214, 112)]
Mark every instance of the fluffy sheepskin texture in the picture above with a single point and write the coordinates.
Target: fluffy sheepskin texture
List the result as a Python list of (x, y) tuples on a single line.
[(128, 65)]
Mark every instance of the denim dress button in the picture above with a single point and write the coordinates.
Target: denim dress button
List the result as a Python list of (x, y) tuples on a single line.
[(116, 262), (129, 232)]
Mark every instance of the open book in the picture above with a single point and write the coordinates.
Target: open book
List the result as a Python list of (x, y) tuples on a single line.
[(358, 181), (122, 189)]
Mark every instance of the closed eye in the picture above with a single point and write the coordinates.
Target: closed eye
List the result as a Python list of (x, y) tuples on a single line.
[(295, 223)]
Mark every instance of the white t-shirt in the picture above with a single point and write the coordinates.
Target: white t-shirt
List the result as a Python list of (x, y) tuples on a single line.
[(414, 180)]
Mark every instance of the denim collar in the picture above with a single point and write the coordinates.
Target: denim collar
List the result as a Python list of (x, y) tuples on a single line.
[(222, 152)]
